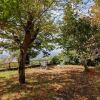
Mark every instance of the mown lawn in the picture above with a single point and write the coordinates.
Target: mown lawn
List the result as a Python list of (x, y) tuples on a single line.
[(58, 83)]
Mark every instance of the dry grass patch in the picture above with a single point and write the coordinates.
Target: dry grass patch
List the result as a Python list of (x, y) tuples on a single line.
[(58, 83)]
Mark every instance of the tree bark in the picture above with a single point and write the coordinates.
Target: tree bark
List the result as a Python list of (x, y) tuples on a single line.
[(27, 59), (86, 69), (22, 60), (28, 39)]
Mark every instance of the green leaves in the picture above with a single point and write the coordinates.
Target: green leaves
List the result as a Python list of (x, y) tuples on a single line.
[(16, 15), (7, 8), (78, 33)]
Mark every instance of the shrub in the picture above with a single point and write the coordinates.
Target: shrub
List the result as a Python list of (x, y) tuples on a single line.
[(72, 60), (90, 62), (55, 60)]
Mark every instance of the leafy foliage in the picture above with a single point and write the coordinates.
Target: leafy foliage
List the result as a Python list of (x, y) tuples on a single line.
[(55, 60), (78, 34)]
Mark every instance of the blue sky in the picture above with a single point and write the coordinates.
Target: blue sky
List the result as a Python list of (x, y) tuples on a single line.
[(84, 8)]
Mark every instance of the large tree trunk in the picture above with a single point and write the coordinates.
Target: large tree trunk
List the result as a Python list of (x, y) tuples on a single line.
[(86, 69), (28, 39), (27, 59), (22, 60)]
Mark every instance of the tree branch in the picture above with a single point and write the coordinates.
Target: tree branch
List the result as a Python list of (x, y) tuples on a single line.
[(41, 14), (16, 39), (29, 23)]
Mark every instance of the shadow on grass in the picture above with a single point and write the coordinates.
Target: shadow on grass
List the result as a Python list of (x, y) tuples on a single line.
[(81, 88), (48, 86)]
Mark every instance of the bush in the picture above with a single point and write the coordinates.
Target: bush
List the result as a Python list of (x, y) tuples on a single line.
[(90, 62), (72, 60), (55, 60)]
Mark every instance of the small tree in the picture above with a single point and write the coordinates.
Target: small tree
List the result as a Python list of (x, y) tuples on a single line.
[(78, 34)]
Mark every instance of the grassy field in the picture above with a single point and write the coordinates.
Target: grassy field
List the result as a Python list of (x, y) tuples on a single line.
[(7, 65), (15, 64), (56, 83)]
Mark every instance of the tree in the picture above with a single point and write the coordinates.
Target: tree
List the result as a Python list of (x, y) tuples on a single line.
[(78, 34), (21, 23), (84, 46)]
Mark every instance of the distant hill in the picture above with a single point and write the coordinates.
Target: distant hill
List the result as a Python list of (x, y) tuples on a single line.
[(4, 55), (52, 53)]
